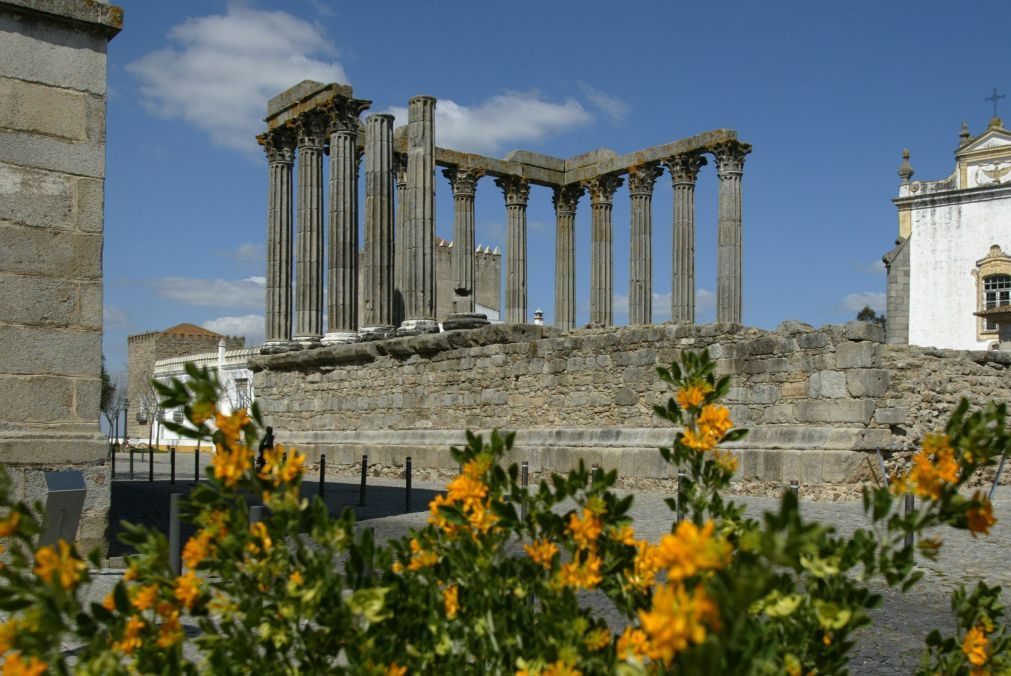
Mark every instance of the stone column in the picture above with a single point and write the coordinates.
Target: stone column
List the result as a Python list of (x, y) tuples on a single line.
[(729, 167), (399, 243), (279, 145), (684, 170), (601, 191), (342, 274), (419, 219), (464, 184), (379, 245), (311, 128), (516, 191), (565, 199), (640, 267)]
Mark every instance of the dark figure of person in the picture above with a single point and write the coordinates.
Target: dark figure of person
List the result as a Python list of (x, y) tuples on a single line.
[(265, 443)]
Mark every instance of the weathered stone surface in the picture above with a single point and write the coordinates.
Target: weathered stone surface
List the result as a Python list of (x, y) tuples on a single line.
[(465, 320), (51, 252), (26, 106), (867, 382), (40, 398), (37, 351), (36, 198), (840, 411), (857, 330), (858, 355), (38, 300), (827, 384)]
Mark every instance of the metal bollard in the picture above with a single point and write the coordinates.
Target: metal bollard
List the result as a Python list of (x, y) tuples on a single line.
[(255, 514), (175, 546), (131, 463), (993, 489), (524, 482), (593, 472), (361, 489), (112, 447), (795, 487), (172, 463), (322, 474), (910, 506), (150, 463), (680, 514), (407, 487), (196, 464)]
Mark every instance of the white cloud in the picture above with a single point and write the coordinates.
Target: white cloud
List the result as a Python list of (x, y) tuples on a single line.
[(250, 326), (614, 108), (238, 293), (855, 302), (502, 121), (875, 268), (249, 252), (114, 318), (222, 69)]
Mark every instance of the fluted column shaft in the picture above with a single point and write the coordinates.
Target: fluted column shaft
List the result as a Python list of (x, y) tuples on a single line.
[(640, 268), (464, 184), (311, 128), (516, 191), (565, 199), (279, 145), (729, 167), (399, 243), (379, 245), (342, 278), (684, 170), (419, 221), (601, 191)]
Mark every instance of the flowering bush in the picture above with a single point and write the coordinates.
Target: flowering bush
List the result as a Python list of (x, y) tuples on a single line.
[(497, 581)]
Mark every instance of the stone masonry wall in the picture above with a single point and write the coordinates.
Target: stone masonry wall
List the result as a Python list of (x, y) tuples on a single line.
[(816, 401), (52, 171)]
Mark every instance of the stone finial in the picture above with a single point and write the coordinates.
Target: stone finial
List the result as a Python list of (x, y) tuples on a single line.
[(906, 170), (964, 137), (995, 123), (539, 317)]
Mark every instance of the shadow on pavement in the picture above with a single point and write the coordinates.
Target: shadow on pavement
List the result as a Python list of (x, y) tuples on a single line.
[(147, 503)]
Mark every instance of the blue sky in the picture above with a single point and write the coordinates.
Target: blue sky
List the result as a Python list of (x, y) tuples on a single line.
[(827, 93)]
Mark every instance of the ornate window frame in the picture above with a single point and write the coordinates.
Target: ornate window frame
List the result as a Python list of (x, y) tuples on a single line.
[(995, 263)]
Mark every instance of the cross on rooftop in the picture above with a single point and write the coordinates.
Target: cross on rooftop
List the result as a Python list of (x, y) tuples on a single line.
[(994, 98)]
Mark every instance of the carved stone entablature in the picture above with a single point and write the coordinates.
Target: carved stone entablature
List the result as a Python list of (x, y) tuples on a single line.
[(464, 181), (602, 188), (400, 169), (566, 197), (730, 157), (342, 114), (515, 189), (684, 169), (279, 144), (311, 127), (642, 178)]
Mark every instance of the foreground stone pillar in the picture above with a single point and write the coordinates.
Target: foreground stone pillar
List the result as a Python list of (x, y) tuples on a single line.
[(601, 191), (377, 309), (729, 167), (565, 199), (419, 219), (464, 184), (640, 268), (342, 273), (400, 176), (279, 145), (684, 170), (516, 191), (311, 128)]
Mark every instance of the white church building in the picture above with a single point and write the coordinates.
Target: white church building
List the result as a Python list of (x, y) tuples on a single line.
[(949, 275)]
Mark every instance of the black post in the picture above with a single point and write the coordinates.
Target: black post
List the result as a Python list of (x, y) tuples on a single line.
[(172, 462), (112, 447), (322, 474), (131, 463), (361, 490), (910, 506), (175, 546), (150, 460), (525, 482), (407, 487), (795, 487), (196, 464), (680, 515), (593, 472)]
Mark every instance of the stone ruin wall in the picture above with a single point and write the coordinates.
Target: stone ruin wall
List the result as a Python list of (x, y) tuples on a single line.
[(817, 401)]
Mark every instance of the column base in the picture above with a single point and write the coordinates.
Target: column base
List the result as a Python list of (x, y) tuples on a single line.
[(305, 342), (340, 338), (465, 320), (416, 327), (378, 332), (279, 346)]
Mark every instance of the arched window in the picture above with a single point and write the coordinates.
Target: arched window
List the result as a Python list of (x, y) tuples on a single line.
[(996, 292), (993, 283)]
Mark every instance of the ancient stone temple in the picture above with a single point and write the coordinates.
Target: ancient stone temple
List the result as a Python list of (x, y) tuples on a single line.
[(398, 291)]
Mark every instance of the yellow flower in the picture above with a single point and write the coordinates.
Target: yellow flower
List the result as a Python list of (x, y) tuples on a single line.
[(15, 666), (187, 589), (466, 490), (481, 518), (170, 632), (726, 461), (291, 468), (980, 518), (697, 440), (9, 526), (420, 558), (145, 597), (131, 636), (715, 420), (109, 602), (437, 519), (690, 550), (581, 575), (397, 567), (202, 412), (632, 643), (585, 530), (694, 395), (197, 549), (676, 620), (542, 552), (296, 578), (131, 573), (974, 646), (933, 466), (395, 670), (561, 668), (476, 468), (231, 464), (259, 531), (451, 600), (645, 567), (8, 632), (625, 535), (597, 639), (231, 426), (64, 564)]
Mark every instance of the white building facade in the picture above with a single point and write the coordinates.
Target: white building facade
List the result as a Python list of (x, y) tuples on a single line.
[(952, 259)]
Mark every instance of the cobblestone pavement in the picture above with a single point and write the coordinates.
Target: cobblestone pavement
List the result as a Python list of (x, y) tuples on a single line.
[(891, 645)]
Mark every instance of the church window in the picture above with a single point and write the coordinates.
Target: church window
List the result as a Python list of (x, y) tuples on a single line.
[(993, 280), (996, 292)]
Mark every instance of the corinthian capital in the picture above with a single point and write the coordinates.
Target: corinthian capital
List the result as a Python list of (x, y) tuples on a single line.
[(463, 181), (685, 168), (730, 157), (342, 114), (311, 128), (641, 178), (602, 188), (515, 189), (279, 144), (566, 197)]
